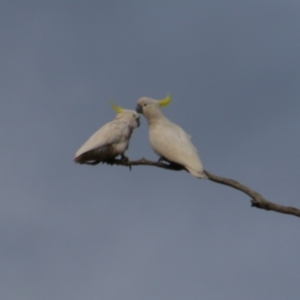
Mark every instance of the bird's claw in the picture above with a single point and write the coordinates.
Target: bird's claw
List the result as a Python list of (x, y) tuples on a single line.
[(161, 159), (126, 159), (109, 161)]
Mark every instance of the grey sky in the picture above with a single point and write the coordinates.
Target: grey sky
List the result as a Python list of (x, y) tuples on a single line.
[(79, 232)]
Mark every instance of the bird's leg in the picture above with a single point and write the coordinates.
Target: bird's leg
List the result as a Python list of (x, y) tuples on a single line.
[(109, 161), (124, 158), (161, 159), (172, 164), (176, 166)]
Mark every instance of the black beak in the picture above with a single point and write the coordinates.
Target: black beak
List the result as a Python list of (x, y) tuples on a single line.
[(139, 109), (138, 122)]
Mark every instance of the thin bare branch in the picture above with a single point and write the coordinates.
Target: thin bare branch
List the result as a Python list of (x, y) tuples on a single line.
[(257, 200)]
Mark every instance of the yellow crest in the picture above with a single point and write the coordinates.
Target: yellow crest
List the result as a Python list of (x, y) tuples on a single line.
[(117, 109), (165, 102)]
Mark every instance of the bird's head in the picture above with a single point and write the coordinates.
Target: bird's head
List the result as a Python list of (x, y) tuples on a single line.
[(148, 106), (129, 115)]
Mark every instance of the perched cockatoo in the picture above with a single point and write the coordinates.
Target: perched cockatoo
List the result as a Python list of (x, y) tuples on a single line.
[(167, 139), (110, 140)]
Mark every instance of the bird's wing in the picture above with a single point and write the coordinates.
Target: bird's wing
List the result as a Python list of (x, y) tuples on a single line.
[(111, 133), (173, 143)]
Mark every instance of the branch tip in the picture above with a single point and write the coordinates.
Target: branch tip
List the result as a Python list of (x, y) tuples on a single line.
[(257, 200)]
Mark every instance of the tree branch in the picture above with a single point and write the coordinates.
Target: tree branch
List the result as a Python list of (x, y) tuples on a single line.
[(257, 200)]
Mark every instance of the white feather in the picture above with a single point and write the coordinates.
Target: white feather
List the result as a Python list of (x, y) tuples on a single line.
[(110, 140), (169, 140)]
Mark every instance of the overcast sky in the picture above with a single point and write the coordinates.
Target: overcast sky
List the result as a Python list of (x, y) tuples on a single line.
[(73, 232)]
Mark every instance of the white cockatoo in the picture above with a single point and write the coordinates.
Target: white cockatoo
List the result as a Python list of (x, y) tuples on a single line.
[(167, 139), (110, 140)]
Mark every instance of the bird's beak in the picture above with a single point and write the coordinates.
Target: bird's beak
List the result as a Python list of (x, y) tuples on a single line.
[(139, 109), (138, 122)]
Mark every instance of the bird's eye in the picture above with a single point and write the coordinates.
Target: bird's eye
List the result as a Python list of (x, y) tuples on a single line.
[(145, 104)]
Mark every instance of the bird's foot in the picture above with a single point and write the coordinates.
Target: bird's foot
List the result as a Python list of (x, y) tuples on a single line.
[(161, 159), (177, 166), (125, 159), (110, 161)]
